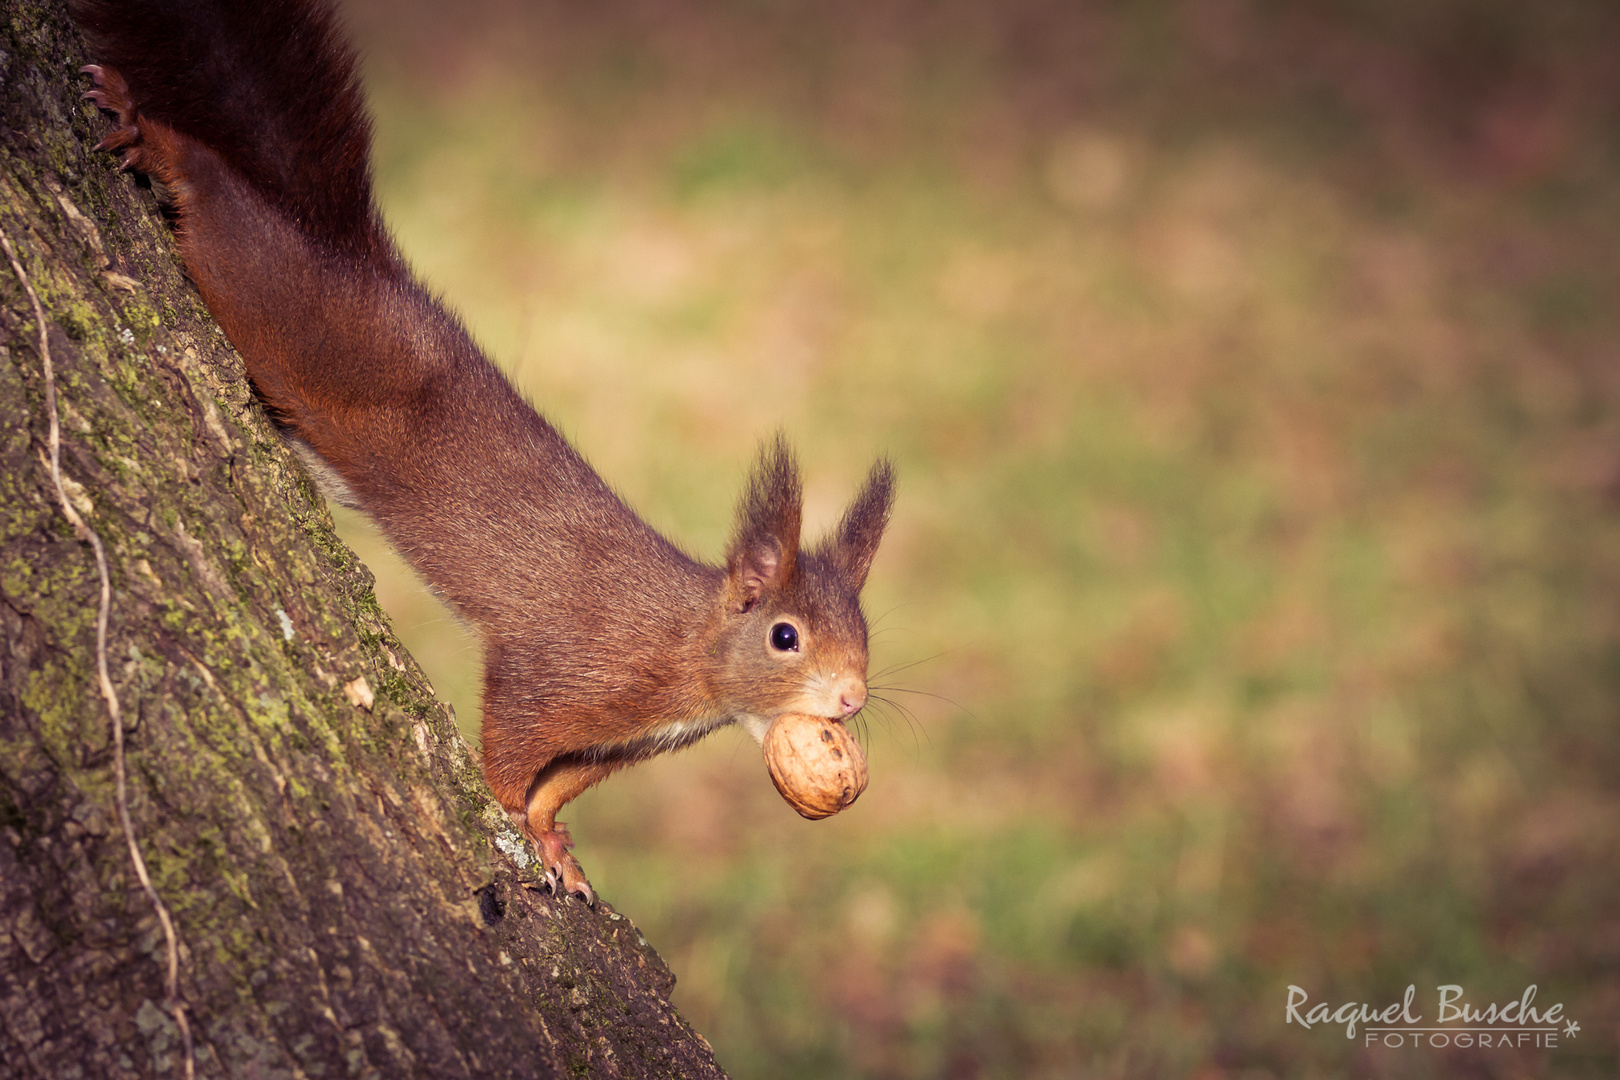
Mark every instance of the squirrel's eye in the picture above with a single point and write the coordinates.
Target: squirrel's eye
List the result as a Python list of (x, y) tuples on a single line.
[(785, 637)]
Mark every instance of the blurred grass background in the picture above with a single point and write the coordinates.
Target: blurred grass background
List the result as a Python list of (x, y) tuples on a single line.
[(1250, 612)]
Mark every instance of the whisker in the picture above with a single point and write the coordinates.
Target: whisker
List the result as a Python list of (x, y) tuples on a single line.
[(863, 735), (885, 710), (923, 693), (895, 669), (738, 744), (891, 611)]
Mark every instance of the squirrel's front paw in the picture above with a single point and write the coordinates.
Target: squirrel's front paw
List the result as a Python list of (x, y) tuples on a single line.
[(562, 871)]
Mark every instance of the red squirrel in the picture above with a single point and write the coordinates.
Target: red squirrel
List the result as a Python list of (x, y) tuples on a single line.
[(603, 642)]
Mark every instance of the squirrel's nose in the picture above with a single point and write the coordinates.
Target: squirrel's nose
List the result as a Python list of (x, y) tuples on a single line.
[(851, 699)]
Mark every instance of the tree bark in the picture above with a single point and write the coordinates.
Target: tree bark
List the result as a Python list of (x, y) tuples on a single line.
[(339, 878)]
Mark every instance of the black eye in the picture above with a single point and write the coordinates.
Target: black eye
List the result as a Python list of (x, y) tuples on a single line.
[(785, 637)]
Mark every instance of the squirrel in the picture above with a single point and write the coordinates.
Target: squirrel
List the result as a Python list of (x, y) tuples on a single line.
[(603, 642)]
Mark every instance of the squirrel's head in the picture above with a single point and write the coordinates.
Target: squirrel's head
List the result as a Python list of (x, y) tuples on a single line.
[(793, 631)]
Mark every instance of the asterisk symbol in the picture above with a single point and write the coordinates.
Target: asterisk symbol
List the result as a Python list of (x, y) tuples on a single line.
[(1571, 1028)]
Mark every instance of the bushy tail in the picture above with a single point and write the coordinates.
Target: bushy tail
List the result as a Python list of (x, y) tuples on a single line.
[(269, 85)]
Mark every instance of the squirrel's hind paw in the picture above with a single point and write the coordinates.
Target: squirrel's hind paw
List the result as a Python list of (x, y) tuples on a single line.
[(562, 870)]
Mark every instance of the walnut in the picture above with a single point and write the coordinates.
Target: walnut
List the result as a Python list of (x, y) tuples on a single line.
[(815, 763)]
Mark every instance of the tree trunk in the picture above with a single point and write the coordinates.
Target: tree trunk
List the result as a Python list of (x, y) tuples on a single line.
[(338, 878)]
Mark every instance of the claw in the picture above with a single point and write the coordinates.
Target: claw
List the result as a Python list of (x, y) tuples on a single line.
[(562, 870), (111, 94), (116, 139)]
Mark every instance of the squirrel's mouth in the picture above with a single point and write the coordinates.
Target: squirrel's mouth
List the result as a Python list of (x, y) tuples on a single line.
[(834, 699)]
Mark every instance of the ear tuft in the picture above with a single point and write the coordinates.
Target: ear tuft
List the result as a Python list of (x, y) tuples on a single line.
[(764, 550), (853, 545)]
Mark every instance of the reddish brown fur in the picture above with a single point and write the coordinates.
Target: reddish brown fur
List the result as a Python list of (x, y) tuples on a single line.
[(603, 643)]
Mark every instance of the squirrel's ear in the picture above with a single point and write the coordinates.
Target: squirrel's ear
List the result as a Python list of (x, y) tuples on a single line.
[(854, 544), (764, 551)]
